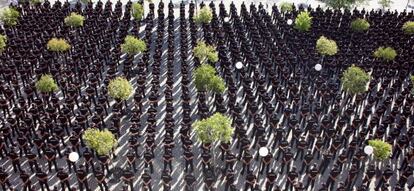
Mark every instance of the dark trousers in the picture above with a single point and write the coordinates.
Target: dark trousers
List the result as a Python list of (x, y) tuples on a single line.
[(65, 183), (83, 184), (44, 185), (103, 186)]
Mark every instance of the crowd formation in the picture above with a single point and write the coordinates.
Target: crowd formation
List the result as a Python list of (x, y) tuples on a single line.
[(315, 131)]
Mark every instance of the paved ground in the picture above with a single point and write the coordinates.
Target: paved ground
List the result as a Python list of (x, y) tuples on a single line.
[(178, 162)]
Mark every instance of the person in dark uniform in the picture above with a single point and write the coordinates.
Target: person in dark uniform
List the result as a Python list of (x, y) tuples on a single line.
[(188, 156), (82, 178), (146, 180), (27, 183), (270, 180), (229, 179), (292, 176), (189, 181), (50, 155), (128, 178), (15, 159), (312, 175), (148, 158), (42, 178), (4, 179), (250, 181), (88, 155), (131, 160), (166, 179), (64, 178), (100, 177)]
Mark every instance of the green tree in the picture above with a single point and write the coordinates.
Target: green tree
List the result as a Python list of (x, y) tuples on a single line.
[(303, 21), (103, 142), (215, 128), (120, 88), (74, 20), (408, 27), (385, 53), (205, 52), (354, 80), (204, 16), (412, 79), (137, 11), (341, 4), (326, 46), (3, 42), (36, 2), (58, 45), (385, 3), (133, 45), (9, 16), (382, 149), (46, 84), (205, 79), (286, 7), (360, 25)]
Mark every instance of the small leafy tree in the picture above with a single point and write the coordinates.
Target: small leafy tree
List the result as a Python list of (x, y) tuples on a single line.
[(9, 16), (215, 128), (137, 11), (74, 20), (101, 141), (133, 45), (382, 149), (286, 7), (341, 4), (385, 3), (385, 53), (3, 42), (58, 45), (204, 16), (205, 79), (408, 27), (354, 80), (326, 46), (360, 25), (303, 21), (205, 52), (120, 88), (46, 84), (36, 2)]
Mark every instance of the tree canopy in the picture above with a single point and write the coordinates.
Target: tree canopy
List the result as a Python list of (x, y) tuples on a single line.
[(360, 25), (120, 88), (58, 45), (133, 45), (137, 11), (215, 128), (3, 42), (101, 141), (354, 80), (286, 7), (74, 20), (408, 27), (385, 53), (9, 16), (340, 4), (382, 149), (46, 84), (205, 52), (326, 46), (204, 16), (385, 3), (205, 79), (303, 21)]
